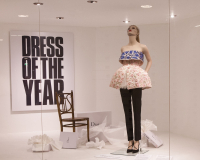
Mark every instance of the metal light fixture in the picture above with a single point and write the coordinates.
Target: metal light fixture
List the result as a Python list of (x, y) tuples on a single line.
[(172, 15), (126, 21), (38, 3), (59, 17), (92, 1)]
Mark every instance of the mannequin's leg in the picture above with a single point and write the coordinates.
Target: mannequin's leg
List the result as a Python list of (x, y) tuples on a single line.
[(126, 100), (137, 104)]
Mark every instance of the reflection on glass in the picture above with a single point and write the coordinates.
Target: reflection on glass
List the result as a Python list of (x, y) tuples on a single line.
[(98, 42), (184, 85), (19, 120), (75, 46)]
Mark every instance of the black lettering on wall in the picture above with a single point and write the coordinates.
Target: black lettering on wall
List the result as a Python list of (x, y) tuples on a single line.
[(44, 60), (42, 45), (60, 67), (26, 68), (47, 93), (58, 87), (52, 66), (59, 40), (37, 92), (34, 67), (50, 52), (28, 90), (26, 46), (35, 46)]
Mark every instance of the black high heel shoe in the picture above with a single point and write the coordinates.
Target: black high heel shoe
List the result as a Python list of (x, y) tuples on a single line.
[(135, 151), (130, 150)]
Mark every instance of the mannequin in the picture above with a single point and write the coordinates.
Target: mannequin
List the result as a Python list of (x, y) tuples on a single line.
[(131, 79)]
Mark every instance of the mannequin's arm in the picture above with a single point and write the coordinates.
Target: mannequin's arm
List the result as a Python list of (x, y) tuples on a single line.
[(148, 57), (121, 61)]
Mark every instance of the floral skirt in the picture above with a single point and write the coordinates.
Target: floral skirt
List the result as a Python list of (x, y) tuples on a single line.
[(131, 76)]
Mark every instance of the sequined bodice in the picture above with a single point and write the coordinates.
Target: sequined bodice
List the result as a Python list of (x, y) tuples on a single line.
[(132, 55)]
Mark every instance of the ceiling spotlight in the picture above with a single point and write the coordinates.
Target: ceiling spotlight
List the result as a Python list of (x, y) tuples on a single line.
[(38, 3), (197, 26), (126, 21), (1, 39), (172, 15), (22, 15), (59, 17), (92, 1), (146, 6)]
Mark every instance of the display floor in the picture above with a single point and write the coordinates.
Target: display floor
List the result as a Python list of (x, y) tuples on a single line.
[(14, 146)]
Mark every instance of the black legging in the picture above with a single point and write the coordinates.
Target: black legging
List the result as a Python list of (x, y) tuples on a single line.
[(136, 95)]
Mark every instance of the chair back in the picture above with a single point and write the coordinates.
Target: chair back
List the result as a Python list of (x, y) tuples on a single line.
[(65, 104)]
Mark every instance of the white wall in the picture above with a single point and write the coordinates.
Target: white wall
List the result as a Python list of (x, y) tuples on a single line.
[(84, 54)]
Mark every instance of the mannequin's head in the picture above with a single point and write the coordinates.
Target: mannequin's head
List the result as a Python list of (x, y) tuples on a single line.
[(135, 31)]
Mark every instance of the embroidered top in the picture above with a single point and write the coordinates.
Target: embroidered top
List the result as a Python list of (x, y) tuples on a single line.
[(132, 55)]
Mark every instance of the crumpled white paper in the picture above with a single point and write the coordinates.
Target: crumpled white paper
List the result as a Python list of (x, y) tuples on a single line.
[(48, 143), (117, 135), (146, 125), (96, 144)]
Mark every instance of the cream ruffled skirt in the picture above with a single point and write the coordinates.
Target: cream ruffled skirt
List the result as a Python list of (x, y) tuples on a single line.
[(131, 76)]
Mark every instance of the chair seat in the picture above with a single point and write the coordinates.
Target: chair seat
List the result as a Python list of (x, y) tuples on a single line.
[(75, 119)]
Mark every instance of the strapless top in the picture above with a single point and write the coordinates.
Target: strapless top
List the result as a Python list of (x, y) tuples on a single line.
[(132, 55)]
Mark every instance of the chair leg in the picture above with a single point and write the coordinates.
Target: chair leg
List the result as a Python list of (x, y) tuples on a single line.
[(61, 127), (88, 130), (73, 126)]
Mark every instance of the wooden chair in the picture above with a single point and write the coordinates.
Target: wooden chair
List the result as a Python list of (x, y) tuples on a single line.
[(62, 100)]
